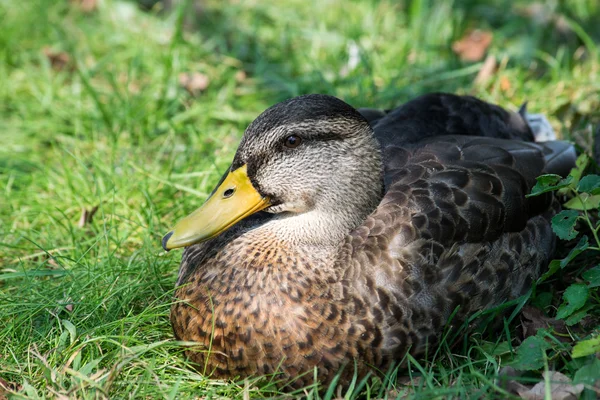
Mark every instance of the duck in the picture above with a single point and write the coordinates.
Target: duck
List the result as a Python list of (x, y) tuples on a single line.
[(340, 240)]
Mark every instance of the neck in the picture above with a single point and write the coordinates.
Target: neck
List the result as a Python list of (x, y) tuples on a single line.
[(312, 228)]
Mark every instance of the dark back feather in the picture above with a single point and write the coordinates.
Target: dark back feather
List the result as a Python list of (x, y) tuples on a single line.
[(438, 114)]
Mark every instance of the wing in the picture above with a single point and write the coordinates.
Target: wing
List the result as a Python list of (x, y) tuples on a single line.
[(471, 189), (438, 114), (454, 229), (460, 189)]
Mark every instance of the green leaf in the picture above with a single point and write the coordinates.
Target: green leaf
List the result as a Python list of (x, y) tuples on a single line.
[(542, 299), (530, 354), (581, 246), (563, 224), (583, 201), (548, 183), (588, 374), (89, 367), (586, 347), (589, 184), (592, 276), (577, 316), (580, 165), (554, 265), (573, 299), (70, 328), (495, 349), (552, 268)]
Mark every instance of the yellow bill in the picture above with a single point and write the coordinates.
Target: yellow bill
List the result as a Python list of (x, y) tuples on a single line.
[(234, 200)]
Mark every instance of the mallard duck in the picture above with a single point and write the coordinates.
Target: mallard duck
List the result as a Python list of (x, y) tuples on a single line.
[(347, 238)]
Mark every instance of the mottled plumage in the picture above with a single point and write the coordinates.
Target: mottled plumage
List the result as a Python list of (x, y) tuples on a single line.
[(375, 229)]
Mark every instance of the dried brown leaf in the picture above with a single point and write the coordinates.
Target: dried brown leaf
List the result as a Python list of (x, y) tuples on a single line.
[(240, 76), (87, 6), (505, 84), (86, 216), (488, 69), (194, 82), (52, 264), (7, 388), (473, 45), (561, 388), (533, 319), (506, 380), (59, 60)]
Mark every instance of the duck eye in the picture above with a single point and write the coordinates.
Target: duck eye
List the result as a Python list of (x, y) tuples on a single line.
[(293, 141), (228, 193)]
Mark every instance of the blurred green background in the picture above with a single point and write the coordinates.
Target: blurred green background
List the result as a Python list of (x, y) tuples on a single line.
[(117, 118)]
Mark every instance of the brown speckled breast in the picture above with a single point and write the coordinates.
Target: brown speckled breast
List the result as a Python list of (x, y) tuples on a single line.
[(257, 314)]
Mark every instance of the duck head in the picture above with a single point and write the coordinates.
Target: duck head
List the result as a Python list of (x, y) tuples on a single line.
[(311, 160)]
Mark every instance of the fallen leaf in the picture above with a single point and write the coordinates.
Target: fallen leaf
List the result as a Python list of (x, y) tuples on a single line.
[(193, 82), (506, 380), (68, 304), (505, 84), (6, 388), (561, 388), (59, 60), (487, 70), (86, 216), (52, 264), (240, 76), (87, 6), (473, 45), (533, 319)]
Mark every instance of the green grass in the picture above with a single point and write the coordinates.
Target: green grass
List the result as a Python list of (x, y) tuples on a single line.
[(84, 309)]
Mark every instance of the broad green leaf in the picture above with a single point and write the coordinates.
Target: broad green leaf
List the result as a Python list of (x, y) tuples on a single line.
[(574, 298), (583, 201), (552, 268), (530, 354), (563, 224), (77, 361), (30, 390), (554, 265), (582, 245), (542, 299), (495, 349), (577, 316), (589, 184), (592, 276), (588, 374), (586, 347), (580, 165), (89, 367), (62, 340), (548, 183), (71, 328)]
